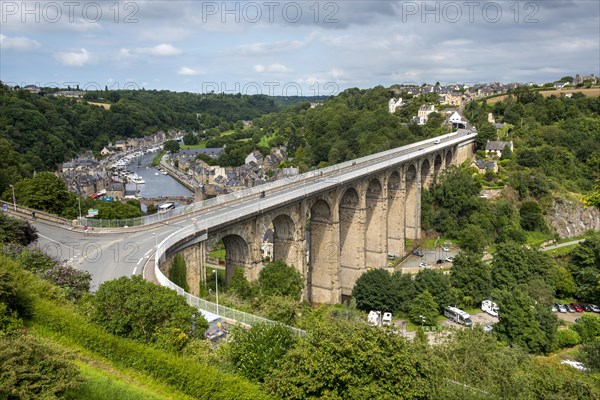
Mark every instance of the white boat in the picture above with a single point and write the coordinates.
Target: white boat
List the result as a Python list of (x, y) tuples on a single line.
[(156, 174), (135, 178)]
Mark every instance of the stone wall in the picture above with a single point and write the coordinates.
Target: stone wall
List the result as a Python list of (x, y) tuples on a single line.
[(569, 218)]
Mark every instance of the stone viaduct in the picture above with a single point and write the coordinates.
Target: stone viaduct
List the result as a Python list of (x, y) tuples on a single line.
[(331, 236)]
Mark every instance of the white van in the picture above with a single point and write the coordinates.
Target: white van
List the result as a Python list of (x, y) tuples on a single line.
[(387, 318), (164, 207), (459, 316)]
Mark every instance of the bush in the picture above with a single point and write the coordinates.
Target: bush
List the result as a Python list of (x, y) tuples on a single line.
[(31, 370), (183, 373), (74, 282), (567, 338), (257, 351), (135, 308), (278, 278), (588, 327)]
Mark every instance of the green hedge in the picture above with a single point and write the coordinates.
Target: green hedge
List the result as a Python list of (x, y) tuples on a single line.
[(184, 374)]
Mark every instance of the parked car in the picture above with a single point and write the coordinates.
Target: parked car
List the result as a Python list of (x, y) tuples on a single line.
[(561, 307), (439, 261), (595, 308), (587, 307), (577, 307), (570, 308), (449, 259), (391, 256), (424, 265), (446, 248), (418, 253), (554, 308)]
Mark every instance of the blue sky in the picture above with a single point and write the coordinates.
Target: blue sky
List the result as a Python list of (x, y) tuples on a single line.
[(288, 47)]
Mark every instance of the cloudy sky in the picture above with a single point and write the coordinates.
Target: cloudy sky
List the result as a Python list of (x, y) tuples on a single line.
[(294, 47)]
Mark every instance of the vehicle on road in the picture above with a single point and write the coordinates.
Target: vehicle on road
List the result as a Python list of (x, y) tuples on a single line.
[(459, 316), (436, 141), (164, 207), (418, 253), (449, 259)]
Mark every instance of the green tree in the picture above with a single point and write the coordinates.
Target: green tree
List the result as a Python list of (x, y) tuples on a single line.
[(178, 272), (438, 284), (567, 338), (343, 360), (523, 324), (240, 284), (45, 191), (135, 308), (257, 351), (514, 264), (190, 139), (16, 231), (171, 146), (473, 238), (471, 276), (588, 327), (485, 132), (424, 309), (375, 290), (589, 354), (278, 278), (531, 217)]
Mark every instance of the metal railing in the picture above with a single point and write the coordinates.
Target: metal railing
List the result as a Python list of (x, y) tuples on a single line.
[(197, 302), (370, 164)]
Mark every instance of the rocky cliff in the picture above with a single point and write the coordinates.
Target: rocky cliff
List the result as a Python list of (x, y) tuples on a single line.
[(569, 218)]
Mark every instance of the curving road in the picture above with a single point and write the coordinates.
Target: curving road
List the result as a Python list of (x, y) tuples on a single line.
[(110, 254)]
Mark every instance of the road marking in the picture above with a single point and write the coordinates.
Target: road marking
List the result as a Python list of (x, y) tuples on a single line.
[(148, 252), (59, 243), (139, 261), (134, 271)]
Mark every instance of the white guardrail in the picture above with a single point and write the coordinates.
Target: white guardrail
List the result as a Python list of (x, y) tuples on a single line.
[(393, 156), (226, 312)]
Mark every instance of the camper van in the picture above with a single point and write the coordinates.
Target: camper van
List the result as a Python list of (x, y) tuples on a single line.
[(490, 307), (459, 316), (164, 207)]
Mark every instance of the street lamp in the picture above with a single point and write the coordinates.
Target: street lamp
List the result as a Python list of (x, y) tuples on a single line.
[(14, 198), (217, 287)]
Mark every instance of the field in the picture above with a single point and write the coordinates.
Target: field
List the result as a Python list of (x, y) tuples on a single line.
[(590, 92), (105, 105)]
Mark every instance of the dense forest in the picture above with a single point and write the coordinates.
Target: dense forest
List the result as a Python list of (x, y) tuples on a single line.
[(37, 132), (353, 124)]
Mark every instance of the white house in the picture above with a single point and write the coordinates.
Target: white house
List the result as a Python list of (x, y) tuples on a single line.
[(255, 157), (496, 147), (394, 104)]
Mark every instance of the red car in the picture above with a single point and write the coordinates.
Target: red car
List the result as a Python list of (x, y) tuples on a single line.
[(577, 307)]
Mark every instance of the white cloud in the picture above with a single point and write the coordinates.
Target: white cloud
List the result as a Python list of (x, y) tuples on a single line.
[(161, 50), (18, 43), (187, 71), (275, 68), (74, 58), (272, 47)]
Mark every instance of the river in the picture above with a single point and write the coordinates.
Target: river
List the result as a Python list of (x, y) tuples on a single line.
[(156, 185)]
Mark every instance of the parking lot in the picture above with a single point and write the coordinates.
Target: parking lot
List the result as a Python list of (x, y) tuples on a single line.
[(430, 256)]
